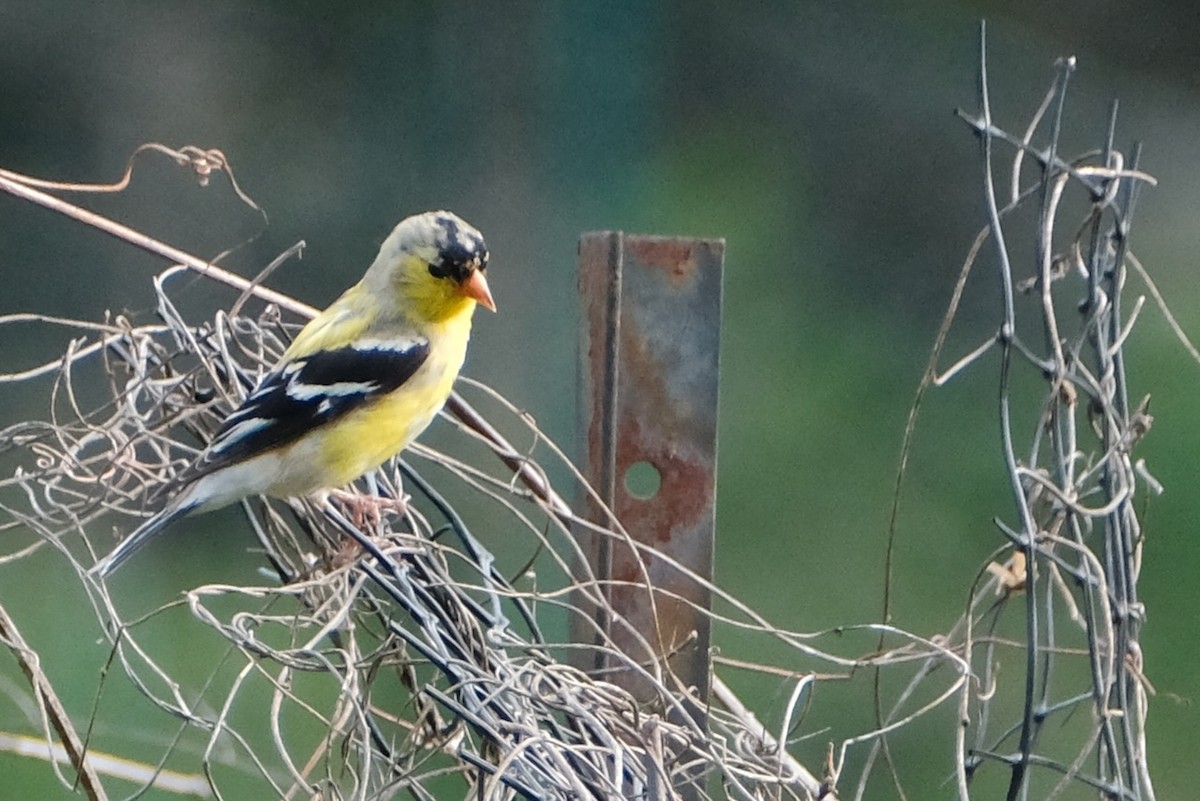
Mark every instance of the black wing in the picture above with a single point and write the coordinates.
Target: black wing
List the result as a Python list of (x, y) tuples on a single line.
[(308, 392)]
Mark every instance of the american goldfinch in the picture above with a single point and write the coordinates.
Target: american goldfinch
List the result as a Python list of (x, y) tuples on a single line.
[(358, 384)]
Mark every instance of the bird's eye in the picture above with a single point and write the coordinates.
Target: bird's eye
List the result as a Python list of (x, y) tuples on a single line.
[(449, 269), (458, 266)]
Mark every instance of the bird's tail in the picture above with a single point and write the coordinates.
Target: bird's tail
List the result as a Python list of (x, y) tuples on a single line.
[(143, 534)]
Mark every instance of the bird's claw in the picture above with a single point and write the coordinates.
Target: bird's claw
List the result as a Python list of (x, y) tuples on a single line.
[(369, 509)]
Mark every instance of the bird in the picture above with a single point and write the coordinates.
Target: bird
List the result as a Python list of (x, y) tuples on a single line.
[(357, 385)]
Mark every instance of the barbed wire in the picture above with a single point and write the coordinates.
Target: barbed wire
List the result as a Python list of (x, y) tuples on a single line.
[(1060, 593)]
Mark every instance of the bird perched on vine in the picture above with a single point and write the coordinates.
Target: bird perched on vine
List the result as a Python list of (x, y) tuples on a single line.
[(358, 384)]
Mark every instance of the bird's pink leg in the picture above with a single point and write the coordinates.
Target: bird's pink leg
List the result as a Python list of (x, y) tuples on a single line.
[(368, 508)]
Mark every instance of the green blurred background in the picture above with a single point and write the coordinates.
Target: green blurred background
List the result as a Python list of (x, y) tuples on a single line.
[(817, 138)]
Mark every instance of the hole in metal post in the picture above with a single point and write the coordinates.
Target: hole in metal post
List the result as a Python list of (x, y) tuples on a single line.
[(642, 480)]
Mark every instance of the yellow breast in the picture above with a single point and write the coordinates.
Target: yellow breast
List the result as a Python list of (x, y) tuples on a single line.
[(368, 437)]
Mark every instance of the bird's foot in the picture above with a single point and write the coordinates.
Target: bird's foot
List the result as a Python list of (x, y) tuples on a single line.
[(369, 508)]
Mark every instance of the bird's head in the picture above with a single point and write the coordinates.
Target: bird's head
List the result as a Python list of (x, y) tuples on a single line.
[(435, 263)]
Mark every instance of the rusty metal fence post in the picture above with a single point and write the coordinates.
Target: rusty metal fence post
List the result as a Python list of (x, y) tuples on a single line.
[(649, 361)]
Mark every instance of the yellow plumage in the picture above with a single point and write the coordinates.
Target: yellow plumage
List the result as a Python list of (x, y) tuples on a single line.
[(377, 432), (357, 385)]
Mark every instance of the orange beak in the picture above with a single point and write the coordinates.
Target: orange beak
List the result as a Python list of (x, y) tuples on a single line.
[(476, 288)]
